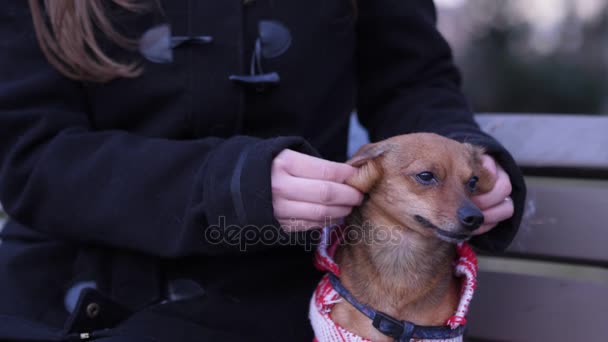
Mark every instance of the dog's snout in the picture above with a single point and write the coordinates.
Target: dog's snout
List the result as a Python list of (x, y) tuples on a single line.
[(470, 217)]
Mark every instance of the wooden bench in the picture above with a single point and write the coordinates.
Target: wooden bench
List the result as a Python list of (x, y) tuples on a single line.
[(552, 285)]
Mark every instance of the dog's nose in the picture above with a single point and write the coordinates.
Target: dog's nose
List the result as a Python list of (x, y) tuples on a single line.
[(470, 217)]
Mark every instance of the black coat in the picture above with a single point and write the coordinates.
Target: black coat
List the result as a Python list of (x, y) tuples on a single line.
[(125, 183)]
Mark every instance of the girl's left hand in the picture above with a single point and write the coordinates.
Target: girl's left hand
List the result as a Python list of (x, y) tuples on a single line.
[(496, 204)]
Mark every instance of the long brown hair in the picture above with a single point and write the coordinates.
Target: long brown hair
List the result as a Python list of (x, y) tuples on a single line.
[(66, 34)]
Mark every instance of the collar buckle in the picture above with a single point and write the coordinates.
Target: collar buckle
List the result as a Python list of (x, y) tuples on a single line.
[(399, 330)]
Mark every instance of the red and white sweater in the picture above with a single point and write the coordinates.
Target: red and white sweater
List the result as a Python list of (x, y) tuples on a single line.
[(325, 297)]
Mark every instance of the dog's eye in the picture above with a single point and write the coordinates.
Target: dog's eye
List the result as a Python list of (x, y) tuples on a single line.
[(472, 184), (426, 178)]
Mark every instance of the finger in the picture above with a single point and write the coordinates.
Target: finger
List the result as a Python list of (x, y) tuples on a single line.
[(292, 225), (501, 189), (316, 191), (489, 163), (498, 213), (302, 165), (484, 228), (286, 209)]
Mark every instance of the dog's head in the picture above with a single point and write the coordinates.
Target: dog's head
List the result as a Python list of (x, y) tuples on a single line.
[(424, 182)]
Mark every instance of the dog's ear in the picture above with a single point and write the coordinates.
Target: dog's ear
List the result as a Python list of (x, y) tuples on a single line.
[(368, 170), (486, 181)]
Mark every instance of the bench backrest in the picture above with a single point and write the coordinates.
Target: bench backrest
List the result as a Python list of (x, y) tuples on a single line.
[(552, 285)]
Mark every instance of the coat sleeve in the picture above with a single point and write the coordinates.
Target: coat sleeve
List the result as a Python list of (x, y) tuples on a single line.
[(407, 82), (61, 177)]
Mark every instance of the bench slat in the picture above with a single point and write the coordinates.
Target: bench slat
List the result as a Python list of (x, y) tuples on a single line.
[(551, 140), (512, 307), (568, 218)]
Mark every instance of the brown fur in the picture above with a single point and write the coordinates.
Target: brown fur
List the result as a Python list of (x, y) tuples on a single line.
[(410, 277)]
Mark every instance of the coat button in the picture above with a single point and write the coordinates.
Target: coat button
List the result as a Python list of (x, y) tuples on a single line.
[(93, 310)]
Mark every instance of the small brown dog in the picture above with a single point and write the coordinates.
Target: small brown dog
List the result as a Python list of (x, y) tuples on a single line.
[(419, 188)]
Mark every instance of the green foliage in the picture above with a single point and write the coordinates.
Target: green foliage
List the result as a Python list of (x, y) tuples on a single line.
[(555, 83), (508, 66)]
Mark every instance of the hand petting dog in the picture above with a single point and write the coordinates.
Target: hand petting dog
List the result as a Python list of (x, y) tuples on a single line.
[(495, 205), (309, 192)]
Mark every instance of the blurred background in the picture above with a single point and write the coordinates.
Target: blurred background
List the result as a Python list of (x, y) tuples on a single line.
[(541, 56)]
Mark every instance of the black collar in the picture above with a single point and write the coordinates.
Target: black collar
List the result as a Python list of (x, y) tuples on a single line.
[(401, 331)]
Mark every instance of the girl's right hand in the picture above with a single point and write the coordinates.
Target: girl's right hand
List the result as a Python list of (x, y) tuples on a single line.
[(309, 192)]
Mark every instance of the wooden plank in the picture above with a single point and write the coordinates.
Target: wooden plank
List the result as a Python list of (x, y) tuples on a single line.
[(565, 218), (560, 141), (524, 307), (545, 269)]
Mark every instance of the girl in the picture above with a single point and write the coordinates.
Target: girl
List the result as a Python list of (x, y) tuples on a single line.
[(159, 161)]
